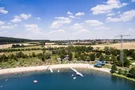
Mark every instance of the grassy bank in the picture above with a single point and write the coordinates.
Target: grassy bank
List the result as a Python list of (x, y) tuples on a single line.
[(123, 76)]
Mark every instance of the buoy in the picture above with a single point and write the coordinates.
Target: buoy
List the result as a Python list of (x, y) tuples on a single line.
[(1, 86), (72, 75), (74, 78), (35, 81), (58, 71)]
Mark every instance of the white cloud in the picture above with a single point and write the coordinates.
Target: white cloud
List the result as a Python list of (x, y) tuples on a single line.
[(71, 16), (77, 26), (54, 31), (60, 21), (8, 26), (69, 13), (25, 16), (110, 14), (108, 7), (2, 23), (38, 18), (132, 0), (16, 19), (102, 28), (94, 22), (3, 11), (20, 17), (80, 14), (126, 16), (33, 28)]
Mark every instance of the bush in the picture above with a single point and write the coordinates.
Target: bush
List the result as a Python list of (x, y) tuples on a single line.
[(132, 72), (113, 68), (120, 71)]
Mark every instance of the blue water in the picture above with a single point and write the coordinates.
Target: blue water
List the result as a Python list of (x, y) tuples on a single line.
[(64, 81)]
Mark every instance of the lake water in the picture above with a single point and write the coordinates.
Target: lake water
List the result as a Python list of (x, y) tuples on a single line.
[(63, 80)]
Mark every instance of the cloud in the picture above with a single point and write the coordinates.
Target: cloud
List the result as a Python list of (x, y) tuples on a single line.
[(8, 26), (25, 16), (38, 18), (3, 11), (2, 23), (94, 22), (60, 21), (79, 27), (71, 16), (132, 0), (107, 7), (80, 14), (69, 13), (16, 19), (110, 14), (54, 31), (33, 28), (20, 17), (126, 16), (102, 28)]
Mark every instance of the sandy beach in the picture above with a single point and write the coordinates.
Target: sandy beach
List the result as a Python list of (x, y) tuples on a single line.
[(57, 66)]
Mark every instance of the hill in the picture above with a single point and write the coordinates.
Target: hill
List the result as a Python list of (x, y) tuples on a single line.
[(8, 40)]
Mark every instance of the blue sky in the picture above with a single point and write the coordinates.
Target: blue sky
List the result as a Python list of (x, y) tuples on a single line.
[(67, 19)]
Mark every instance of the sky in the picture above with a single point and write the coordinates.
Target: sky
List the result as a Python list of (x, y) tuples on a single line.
[(67, 19)]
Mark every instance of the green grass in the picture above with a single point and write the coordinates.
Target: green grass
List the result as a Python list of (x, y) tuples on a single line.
[(25, 52), (21, 63), (123, 76)]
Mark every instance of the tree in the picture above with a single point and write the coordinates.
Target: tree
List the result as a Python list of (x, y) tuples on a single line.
[(127, 63), (133, 55), (101, 57), (107, 58), (120, 71), (92, 57), (107, 50), (70, 55), (20, 55), (3, 58), (114, 59), (98, 54), (132, 72), (33, 54), (62, 56), (113, 68)]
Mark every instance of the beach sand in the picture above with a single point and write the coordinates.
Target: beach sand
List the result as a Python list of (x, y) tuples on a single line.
[(57, 66)]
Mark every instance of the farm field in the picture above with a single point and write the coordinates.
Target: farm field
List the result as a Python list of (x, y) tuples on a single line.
[(4, 46), (128, 45)]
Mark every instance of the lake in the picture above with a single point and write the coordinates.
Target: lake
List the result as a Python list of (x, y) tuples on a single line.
[(63, 80)]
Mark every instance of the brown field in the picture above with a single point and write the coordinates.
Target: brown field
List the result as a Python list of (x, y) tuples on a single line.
[(10, 45), (129, 45)]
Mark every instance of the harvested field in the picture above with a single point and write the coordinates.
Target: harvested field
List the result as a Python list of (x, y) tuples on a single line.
[(128, 45)]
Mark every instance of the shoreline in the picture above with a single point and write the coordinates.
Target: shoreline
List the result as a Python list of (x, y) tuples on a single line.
[(45, 67), (122, 76)]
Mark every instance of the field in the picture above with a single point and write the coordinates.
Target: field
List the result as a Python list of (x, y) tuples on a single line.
[(26, 52), (10, 45), (128, 45)]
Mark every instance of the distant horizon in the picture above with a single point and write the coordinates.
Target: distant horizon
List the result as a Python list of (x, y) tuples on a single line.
[(67, 19), (73, 39)]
